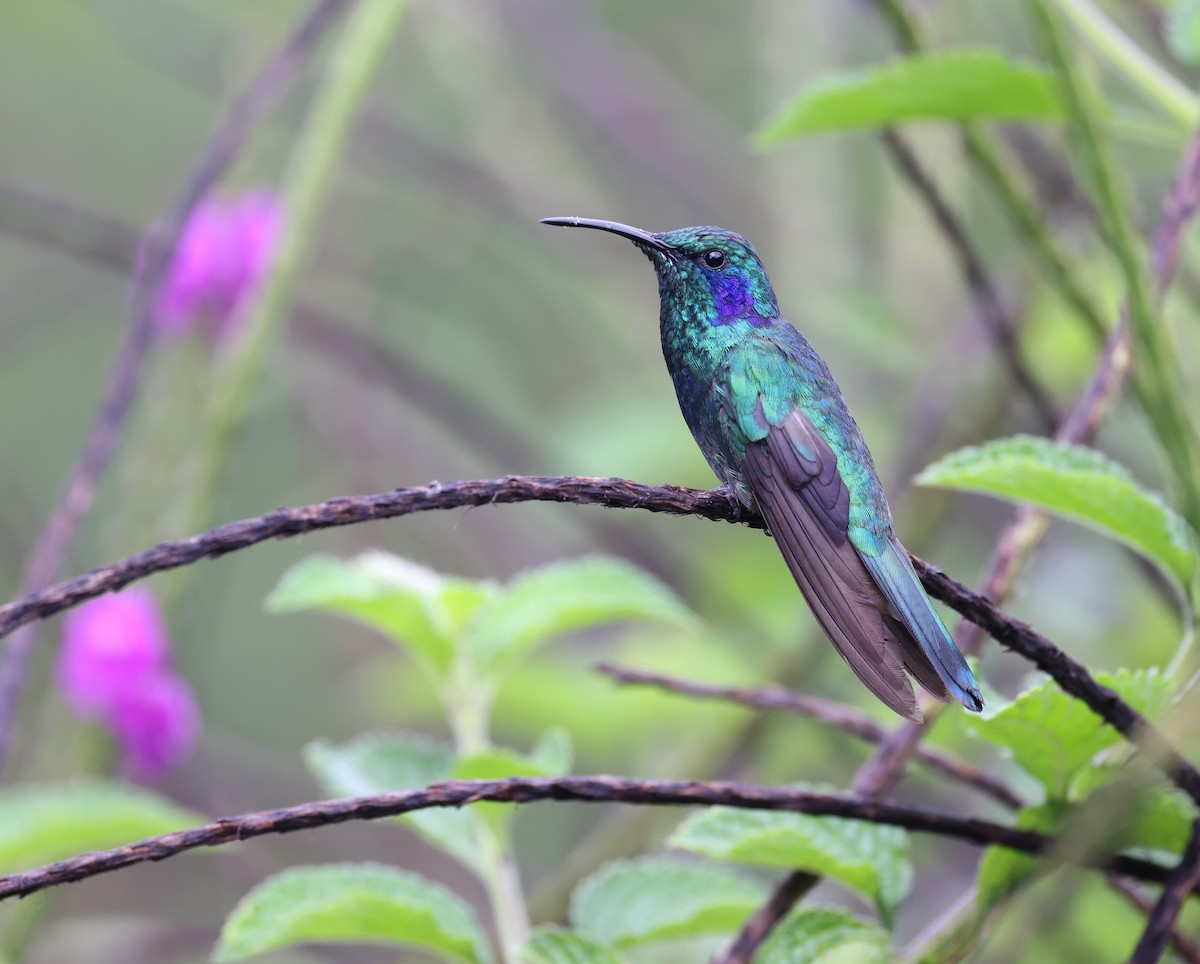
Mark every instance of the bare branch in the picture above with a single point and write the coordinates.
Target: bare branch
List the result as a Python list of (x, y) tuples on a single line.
[(1180, 883), (588, 789), (849, 719)]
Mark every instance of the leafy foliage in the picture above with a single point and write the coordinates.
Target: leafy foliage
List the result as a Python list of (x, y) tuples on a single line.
[(43, 823), (381, 762), (360, 903), (870, 858), (655, 898), (1054, 736), (825, 936), (1002, 870), (961, 84), (553, 945), (1077, 483)]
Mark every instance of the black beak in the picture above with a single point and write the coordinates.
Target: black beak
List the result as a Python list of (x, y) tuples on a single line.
[(636, 235)]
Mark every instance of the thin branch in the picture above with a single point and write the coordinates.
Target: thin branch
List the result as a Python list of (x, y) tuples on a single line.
[(995, 318), (1183, 945), (849, 719), (714, 504), (1180, 883), (587, 789), (53, 545)]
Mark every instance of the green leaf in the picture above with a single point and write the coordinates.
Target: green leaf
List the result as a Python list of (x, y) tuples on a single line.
[(412, 605), (381, 762), (1077, 483), (656, 898), (962, 84), (551, 600), (1181, 30), (870, 858), (1133, 809), (823, 935), (42, 823), (553, 945), (1002, 871), (354, 903), (1053, 736)]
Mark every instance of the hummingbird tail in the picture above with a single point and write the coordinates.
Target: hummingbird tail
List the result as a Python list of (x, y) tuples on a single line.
[(929, 652)]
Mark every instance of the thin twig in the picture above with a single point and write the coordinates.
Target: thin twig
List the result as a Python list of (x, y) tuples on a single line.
[(714, 504), (588, 789), (996, 320), (1180, 883), (52, 546), (848, 719), (1183, 945)]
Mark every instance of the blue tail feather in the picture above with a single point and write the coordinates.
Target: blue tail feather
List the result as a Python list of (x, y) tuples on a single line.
[(894, 574)]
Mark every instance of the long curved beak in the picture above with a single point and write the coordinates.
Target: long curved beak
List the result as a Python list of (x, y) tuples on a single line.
[(637, 235)]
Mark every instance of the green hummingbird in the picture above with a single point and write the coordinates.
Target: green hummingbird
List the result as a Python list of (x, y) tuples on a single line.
[(769, 417)]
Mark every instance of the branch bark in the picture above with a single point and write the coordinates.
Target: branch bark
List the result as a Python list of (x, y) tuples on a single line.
[(587, 789)]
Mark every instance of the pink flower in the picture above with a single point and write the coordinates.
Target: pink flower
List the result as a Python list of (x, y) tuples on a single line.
[(115, 668), (222, 257), (157, 723)]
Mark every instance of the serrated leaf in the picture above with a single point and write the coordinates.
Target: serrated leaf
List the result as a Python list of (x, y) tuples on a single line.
[(869, 858), (1002, 870), (381, 762), (1181, 30), (352, 903), (823, 935), (553, 945), (961, 84), (1077, 483), (42, 823), (415, 607), (1053, 736), (656, 898), (566, 596)]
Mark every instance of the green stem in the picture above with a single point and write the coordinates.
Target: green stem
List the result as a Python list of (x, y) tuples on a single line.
[(1132, 62), (985, 154), (1157, 374), (353, 63), (468, 705)]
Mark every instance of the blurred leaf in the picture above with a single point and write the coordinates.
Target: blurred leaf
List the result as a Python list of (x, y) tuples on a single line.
[(1181, 30), (412, 605), (825, 936), (358, 903), (381, 762), (1078, 483), (1053, 736), (1146, 813), (869, 858), (554, 752), (553, 945), (551, 600), (655, 898), (961, 84), (1003, 870), (40, 824)]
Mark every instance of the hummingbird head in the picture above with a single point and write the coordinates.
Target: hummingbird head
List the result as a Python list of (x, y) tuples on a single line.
[(706, 274)]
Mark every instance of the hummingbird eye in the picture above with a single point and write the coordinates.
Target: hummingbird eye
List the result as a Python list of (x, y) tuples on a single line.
[(714, 258)]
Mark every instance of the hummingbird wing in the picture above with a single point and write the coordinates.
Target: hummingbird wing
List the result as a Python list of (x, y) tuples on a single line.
[(795, 480)]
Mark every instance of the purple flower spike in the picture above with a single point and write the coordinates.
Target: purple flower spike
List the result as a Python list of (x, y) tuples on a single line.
[(115, 668), (109, 644), (224, 253), (157, 725)]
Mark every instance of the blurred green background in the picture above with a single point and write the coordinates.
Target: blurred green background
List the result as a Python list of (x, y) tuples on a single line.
[(438, 332)]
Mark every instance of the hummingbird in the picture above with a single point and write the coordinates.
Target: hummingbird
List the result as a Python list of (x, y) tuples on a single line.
[(771, 421)]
